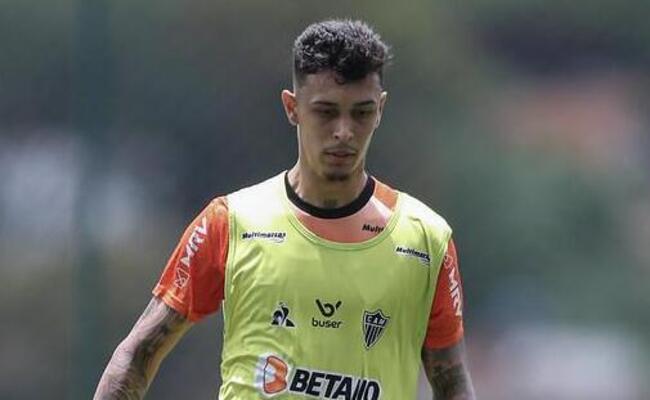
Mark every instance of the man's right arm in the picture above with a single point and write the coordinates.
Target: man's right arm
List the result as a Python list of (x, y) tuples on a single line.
[(136, 360), (190, 288)]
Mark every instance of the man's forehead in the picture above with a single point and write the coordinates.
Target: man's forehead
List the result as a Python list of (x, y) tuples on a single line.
[(327, 84)]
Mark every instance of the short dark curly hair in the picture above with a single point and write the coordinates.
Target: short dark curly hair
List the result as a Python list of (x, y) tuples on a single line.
[(349, 48)]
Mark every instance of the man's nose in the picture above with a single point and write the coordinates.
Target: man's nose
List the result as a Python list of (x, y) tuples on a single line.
[(344, 130)]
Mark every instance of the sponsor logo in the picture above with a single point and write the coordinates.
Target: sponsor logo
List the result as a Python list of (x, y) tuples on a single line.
[(197, 237), (372, 228), (374, 325), (271, 375), (454, 291), (408, 252), (327, 310), (274, 376), (281, 316), (181, 278), (448, 261), (275, 237)]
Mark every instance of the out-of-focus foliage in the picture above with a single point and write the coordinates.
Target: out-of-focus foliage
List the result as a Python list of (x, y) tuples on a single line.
[(524, 123)]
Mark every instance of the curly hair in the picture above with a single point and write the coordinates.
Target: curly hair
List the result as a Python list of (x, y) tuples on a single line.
[(349, 48)]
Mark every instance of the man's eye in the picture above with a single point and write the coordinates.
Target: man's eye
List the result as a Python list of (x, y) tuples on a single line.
[(326, 112), (362, 113)]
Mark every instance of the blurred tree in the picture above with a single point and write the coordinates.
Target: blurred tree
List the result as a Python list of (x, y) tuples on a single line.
[(92, 110)]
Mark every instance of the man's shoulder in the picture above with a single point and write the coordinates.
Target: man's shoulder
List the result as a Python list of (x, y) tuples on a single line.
[(251, 192), (264, 195), (415, 209), (265, 186), (410, 207)]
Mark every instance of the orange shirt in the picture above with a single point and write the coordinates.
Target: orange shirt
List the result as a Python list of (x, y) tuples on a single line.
[(192, 283)]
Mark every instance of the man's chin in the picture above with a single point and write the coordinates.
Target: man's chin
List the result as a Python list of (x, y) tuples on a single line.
[(337, 176)]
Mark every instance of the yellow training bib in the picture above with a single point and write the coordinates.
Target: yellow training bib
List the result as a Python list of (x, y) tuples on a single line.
[(310, 318)]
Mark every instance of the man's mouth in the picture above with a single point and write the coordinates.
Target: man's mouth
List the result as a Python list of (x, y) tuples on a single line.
[(342, 153)]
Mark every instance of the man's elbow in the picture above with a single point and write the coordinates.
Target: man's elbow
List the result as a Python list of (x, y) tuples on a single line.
[(124, 377)]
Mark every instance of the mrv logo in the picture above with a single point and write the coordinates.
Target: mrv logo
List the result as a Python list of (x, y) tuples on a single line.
[(274, 376), (327, 310), (192, 246), (196, 238)]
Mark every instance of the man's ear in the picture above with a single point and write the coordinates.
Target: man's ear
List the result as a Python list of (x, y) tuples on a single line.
[(382, 101), (289, 103)]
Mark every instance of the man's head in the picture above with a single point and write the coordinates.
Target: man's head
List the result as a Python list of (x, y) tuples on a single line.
[(338, 97), (351, 49)]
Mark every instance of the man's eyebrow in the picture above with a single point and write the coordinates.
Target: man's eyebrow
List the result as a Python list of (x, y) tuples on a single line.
[(365, 103), (323, 103), (332, 104)]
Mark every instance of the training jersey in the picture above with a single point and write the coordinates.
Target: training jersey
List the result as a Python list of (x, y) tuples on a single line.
[(329, 304)]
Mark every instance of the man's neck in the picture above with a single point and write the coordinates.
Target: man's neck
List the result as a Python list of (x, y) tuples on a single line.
[(324, 193)]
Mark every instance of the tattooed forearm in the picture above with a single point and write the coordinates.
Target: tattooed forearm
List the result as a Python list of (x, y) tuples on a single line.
[(449, 382), (121, 379), (136, 360), (447, 373)]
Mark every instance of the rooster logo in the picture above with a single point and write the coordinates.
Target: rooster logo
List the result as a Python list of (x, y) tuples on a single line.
[(281, 316)]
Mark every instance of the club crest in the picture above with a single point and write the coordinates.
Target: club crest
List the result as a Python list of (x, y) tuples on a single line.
[(374, 325)]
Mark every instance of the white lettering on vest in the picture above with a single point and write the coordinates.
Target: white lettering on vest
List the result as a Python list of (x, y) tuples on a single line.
[(454, 290), (313, 383), (196, 238)]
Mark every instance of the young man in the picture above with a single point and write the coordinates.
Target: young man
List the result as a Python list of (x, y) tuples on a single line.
[(333, 284)]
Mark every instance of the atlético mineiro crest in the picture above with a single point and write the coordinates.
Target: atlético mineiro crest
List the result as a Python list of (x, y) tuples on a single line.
[(374, 325)]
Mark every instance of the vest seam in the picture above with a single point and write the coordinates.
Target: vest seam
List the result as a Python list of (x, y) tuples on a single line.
[(433, 279), (228, 271)]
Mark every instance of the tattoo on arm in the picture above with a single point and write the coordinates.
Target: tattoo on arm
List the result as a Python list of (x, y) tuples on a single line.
[(136, 360), (448, 374)]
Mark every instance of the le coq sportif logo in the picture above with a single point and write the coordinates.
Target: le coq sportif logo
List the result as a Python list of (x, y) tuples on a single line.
[(281, 316)]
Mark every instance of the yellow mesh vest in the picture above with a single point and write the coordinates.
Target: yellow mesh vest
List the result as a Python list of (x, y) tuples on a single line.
[(310, 318)]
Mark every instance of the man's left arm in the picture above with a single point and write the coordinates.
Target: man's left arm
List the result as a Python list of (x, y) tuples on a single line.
[(443, 352), (447, 372)]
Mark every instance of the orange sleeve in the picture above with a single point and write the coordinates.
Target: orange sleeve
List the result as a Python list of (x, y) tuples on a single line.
[(446, 318), (193, 280)]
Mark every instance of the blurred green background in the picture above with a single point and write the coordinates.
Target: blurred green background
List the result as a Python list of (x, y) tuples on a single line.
[(526, 124)]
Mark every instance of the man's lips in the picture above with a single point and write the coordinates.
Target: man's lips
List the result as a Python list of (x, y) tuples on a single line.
[(340, 153), (339, 157)]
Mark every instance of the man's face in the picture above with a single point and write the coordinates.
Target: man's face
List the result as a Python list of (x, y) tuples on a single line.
[(335, 122)]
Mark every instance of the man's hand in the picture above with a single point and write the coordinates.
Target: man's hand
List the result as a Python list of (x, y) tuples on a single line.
[(136, 360), (447, 373)]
